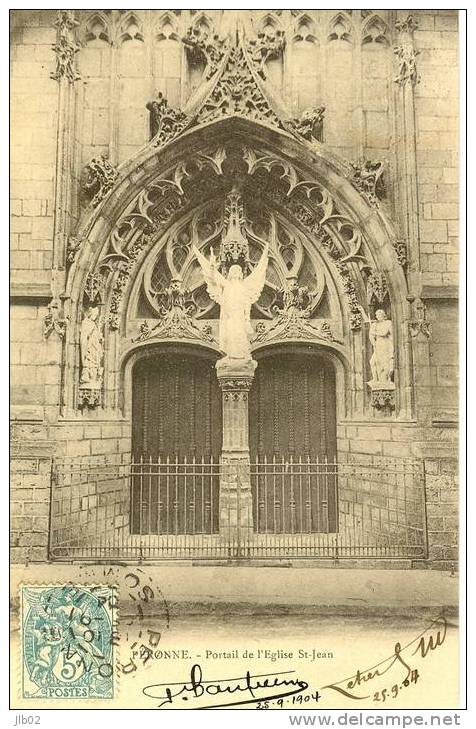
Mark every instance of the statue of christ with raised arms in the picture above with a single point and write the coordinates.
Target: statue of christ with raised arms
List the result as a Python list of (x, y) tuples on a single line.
[(235, 295)]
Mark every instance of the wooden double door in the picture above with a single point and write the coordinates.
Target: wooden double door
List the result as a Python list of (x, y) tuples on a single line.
[(177, 437)]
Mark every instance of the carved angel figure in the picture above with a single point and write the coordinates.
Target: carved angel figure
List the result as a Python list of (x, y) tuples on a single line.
[(235, 295)]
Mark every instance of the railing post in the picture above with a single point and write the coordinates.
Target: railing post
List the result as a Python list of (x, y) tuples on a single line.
[(235, 510), (51, 524)]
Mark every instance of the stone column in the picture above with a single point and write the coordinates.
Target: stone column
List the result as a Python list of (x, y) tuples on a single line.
[(236, 510)]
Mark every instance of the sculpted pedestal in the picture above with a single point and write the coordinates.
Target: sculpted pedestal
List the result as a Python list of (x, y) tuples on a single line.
[(236, 509)]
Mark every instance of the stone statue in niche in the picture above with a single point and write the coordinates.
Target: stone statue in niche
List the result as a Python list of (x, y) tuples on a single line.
[(235, 295), (92, 350), (382, 360)]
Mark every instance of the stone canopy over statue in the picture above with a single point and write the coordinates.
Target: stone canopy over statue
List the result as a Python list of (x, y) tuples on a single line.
[(234, 292)]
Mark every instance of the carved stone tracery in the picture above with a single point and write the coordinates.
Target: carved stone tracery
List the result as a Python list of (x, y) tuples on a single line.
[(314, 208), (237, 91)]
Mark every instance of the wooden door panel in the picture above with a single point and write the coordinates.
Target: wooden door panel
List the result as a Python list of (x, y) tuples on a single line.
[(292, 421), (176, 409), (176, 417)]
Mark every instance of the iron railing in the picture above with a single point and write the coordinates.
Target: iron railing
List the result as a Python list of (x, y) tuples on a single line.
[(201, 509)]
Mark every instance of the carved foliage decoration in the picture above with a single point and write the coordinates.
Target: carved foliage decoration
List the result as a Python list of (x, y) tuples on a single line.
[(400, 247), (94, 288), (72, 249), (176, 318), (292, 318), (377, 288), (310, 125), (98, 178), (268, 45), (166, 122), (383, 400), (202, 45), (407, 70), (237, 92), (367, 178), (407, 25), (65, 47)]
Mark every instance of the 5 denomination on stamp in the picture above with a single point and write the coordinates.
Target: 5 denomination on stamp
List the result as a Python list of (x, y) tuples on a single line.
[(69, 640)]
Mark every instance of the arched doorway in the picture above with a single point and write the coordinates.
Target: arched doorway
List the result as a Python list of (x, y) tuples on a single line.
[(176, 440), (292, 439)]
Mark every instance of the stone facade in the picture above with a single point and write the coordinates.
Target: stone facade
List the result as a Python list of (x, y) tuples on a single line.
[(87, 151)]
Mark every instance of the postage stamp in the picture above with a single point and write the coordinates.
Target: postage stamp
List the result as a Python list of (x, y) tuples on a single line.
[(69, 641)]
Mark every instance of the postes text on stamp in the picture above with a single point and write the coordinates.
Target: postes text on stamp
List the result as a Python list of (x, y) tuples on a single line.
[(69, 641)]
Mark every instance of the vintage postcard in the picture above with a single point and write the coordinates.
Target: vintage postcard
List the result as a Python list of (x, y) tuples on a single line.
[(234, 360)]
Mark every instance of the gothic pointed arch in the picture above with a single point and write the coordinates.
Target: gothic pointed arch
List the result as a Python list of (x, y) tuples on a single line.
[(375, 30), (332, 261), (340, 28), (96, 27), (130, 28)]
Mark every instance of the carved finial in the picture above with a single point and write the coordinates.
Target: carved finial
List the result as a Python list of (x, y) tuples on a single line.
[(265, 47), (165, 121), (54, 320), (293, 317), (203, 46), (400, 247), (419, 324), (234, 244), (377, 288), (72, 249), (176, 317), (407, 70), (65, 47), (407, 25)]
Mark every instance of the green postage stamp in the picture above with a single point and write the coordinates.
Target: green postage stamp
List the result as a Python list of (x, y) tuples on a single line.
[(69, 640)]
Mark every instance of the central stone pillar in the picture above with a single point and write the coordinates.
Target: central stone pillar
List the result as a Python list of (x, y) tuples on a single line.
[(236, 509)]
